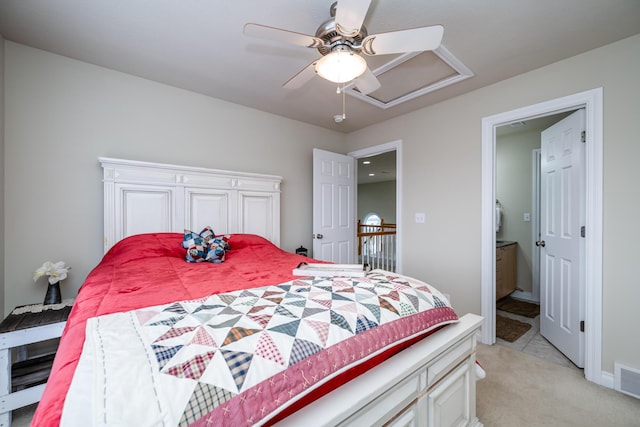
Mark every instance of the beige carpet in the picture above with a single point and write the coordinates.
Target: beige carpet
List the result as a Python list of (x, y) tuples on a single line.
[(522, 390)]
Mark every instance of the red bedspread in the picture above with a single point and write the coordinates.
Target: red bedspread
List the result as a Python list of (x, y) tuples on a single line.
[(147, 270)]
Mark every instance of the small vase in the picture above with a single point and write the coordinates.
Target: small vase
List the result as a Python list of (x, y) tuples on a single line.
[(53, 294)]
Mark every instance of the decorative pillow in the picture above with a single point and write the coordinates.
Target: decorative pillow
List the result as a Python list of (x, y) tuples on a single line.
[(205, 246), (192, 238), (216, 253), (197, 253), (207, 233), (222, 241)]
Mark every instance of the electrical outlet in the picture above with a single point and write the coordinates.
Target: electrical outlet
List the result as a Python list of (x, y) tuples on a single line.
[(420, 218)]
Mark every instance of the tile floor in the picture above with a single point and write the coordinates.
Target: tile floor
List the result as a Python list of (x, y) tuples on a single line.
[(533, 343)]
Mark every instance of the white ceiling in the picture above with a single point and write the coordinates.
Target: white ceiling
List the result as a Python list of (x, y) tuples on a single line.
[(198, 45)]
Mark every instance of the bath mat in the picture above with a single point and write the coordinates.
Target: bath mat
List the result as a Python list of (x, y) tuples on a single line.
[(515, 306), (510, 329)]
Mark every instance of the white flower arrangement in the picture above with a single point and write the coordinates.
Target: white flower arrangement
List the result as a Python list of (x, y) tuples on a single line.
[(56, 271)]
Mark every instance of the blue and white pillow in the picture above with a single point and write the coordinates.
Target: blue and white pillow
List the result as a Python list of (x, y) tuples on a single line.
[(205, 246), (192, 238)]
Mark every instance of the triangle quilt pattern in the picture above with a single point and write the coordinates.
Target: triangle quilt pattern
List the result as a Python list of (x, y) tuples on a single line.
[(204, 398), (248, 336)]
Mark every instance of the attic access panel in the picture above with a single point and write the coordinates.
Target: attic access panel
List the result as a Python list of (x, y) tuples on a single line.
[(410, 75)]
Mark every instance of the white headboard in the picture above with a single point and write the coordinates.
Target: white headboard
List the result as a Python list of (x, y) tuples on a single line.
[(143, 197)]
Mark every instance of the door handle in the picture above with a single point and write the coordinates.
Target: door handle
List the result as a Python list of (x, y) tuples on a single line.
[(540, 243), (318, 236)]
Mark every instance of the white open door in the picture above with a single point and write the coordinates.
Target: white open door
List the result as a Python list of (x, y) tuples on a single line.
[(334, 188), (562, 216)]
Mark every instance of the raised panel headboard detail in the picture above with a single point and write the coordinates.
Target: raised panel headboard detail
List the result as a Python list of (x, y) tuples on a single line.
[(144, 197)]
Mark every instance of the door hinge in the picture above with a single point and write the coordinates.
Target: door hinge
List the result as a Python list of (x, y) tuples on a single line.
[(583, 136), (582, 231), (582, 326)]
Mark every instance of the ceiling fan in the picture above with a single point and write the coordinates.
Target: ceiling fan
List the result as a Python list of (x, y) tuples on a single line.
[(342, 39)]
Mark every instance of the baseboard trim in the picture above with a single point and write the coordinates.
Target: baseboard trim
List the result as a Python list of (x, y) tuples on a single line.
[(607, 379)]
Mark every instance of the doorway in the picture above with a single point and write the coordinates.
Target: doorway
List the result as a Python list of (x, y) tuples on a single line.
[(378, 150), (592, 102), (519, 194)]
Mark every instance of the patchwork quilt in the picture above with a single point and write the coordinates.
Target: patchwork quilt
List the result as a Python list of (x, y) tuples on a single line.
[(241, 357)]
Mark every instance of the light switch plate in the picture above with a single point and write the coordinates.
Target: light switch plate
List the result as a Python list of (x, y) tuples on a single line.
[(420, 218)]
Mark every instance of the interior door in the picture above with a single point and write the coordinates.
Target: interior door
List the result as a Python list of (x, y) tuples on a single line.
[(562, 207), (334, 181)]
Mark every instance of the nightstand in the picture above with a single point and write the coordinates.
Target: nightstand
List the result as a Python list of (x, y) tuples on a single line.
[(25, 325)]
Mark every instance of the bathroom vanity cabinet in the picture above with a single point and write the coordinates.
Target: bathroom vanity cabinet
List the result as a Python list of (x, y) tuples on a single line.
[(505, 268)]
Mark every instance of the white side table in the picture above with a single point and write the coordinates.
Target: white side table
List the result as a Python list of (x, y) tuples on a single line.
[(26, 325)]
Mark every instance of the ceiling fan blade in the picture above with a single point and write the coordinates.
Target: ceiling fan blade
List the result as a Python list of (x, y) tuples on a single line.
[(350, 15), (367, 82), (280, 35), (302, 77), (413, 40)]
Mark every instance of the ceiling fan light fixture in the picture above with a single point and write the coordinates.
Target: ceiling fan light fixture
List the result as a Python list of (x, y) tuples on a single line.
[(341, 65)]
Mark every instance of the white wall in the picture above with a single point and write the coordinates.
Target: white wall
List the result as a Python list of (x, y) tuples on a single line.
[(378, 197), (442, 177), (62, 114)]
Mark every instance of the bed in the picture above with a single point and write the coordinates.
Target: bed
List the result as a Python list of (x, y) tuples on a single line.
[(155, 340)]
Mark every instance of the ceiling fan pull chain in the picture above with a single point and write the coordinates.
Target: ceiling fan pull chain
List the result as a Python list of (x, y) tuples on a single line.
[(338, 118), (344, 108)]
